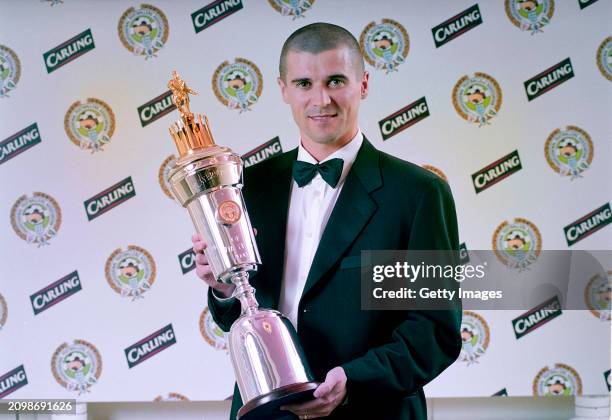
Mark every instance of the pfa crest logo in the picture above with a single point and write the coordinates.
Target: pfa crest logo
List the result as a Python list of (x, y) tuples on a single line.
[(3, 311), (211, 332), (143, 31), (293, 8), (164, 172), (171, 396), (478, 98), (384, 45), (530, 15), (238, 85), (130, 273), (597, 295), (562, 380), (569, 151), (77, 366), (10, 70), (36, 219), (517, 244), (604, 58), (90, 125), (475, 337)]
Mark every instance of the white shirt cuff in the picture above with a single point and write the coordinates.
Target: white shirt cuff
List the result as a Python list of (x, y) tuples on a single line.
[(222, 299)]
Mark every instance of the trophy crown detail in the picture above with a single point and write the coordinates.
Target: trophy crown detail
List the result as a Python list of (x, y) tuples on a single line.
[(189, 133)]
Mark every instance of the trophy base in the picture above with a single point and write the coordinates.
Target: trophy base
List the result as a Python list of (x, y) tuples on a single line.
[(267, 406)]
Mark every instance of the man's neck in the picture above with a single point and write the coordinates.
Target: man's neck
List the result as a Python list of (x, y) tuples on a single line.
[(320, 151)]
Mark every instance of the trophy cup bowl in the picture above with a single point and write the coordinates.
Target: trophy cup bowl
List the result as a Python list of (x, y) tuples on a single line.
[(269, 363)]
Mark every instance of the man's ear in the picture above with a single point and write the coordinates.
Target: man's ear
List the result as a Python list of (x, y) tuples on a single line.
[(283, 88), (364, 84)]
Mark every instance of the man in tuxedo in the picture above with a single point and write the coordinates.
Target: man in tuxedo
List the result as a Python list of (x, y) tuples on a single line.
[(315, 208)]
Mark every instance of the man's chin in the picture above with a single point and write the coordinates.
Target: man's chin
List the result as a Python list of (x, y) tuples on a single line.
[(329, 139)]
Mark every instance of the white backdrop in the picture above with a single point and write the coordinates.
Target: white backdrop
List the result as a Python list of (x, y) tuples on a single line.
[(194, 367)]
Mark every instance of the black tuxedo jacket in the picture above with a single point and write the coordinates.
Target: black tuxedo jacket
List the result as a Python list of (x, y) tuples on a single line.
[(388, 356)]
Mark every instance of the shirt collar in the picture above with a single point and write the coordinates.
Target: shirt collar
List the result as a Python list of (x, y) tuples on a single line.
[(348, 153)]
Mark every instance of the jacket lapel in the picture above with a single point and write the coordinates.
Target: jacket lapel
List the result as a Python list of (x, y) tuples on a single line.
[(352, 211)]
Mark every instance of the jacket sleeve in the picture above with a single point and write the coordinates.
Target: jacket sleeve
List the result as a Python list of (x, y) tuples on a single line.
[(427, 341), (224, 312)]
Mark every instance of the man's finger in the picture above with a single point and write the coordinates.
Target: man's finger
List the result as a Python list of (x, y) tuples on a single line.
[(199, 247), (201, 259), (299, 409), (203, 271), (324, 389)]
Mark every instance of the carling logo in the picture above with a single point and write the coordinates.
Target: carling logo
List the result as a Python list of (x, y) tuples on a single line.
[(150, 346), (496, 171), (404, 118), (187, 260), (457, 25), (68, 51), (587, 225), (55, 292), (263, 152), (109, 198), (12, 381), (213, 13), (19, 142), (156, 108), (464, 255), (536, 317), (548, 79), (585, 3)]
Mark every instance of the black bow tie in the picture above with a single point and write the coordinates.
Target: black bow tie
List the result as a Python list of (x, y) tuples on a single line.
[(330, 171)]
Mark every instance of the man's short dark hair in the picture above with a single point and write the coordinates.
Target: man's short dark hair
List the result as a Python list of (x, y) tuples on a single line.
[(318, 37)]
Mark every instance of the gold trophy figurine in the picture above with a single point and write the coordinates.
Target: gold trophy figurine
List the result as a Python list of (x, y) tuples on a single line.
[(268, 361)]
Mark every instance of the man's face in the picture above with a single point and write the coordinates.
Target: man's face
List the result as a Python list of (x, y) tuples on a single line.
[(324, 92)]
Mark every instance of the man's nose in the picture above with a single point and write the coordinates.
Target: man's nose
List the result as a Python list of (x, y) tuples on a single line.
[(320, 97)]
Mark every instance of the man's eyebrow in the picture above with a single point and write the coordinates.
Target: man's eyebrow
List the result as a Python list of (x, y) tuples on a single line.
[(331, 77), (302, 79)]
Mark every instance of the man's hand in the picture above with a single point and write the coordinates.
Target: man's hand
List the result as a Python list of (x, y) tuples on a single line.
[(203, 269), (328, 396)]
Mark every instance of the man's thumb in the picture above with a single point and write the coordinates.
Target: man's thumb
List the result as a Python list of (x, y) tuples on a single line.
[(322, 390)]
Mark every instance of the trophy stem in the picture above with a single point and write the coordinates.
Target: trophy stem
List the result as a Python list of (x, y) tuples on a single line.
[(245, 293)]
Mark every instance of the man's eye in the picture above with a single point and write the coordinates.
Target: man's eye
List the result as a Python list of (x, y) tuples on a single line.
[(302, 84), (336, 83)]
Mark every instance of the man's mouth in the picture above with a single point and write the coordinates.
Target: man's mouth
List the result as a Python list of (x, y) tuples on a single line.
[(322, 117)]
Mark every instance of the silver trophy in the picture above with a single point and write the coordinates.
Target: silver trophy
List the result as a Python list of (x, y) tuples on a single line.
[(268, 361)]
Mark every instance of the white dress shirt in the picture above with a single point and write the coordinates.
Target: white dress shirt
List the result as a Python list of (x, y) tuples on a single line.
[(309, 209)]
